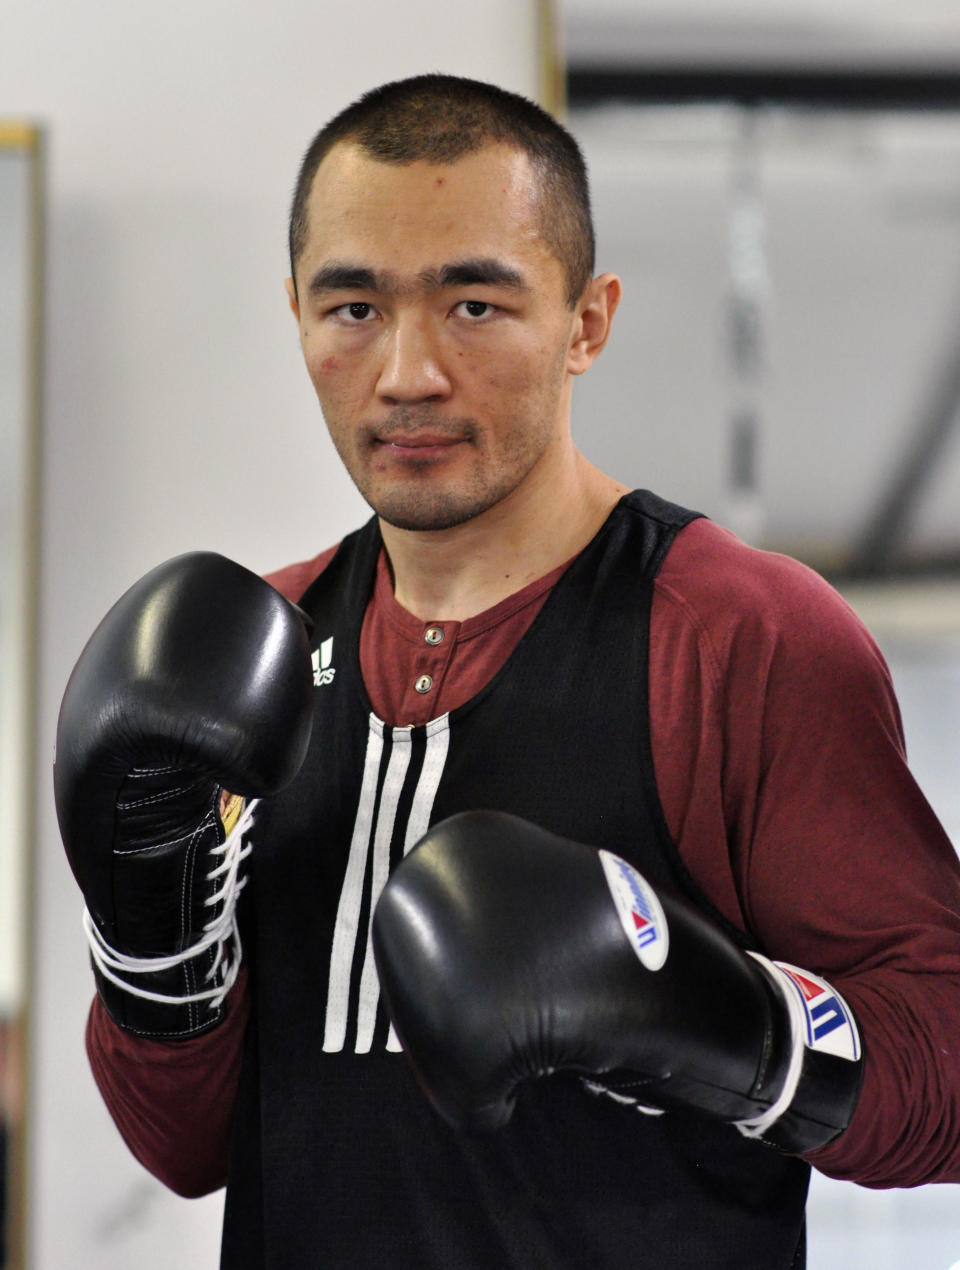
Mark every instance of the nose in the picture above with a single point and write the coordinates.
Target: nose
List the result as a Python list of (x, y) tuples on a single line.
[(412, 369)]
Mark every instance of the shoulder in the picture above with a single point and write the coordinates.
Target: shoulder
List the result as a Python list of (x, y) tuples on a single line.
[(293, 579), (711, 569), (733, 591), (761, 619)]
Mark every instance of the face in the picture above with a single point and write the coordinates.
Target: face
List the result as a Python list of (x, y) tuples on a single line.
[(436, 331)]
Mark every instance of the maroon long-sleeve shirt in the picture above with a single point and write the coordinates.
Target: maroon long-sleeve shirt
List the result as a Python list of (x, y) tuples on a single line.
[(780, 764)]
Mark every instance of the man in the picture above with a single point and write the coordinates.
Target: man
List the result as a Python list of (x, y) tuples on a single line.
[(647, 722)]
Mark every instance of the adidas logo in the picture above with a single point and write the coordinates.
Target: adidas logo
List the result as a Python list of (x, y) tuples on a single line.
[(323, 671)]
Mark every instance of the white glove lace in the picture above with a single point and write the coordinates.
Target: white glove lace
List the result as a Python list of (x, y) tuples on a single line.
[(222, 932), (757, 1126)]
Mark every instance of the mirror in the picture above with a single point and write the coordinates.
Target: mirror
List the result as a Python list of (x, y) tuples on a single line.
[(787, 339), (787, 356), (20, 313)]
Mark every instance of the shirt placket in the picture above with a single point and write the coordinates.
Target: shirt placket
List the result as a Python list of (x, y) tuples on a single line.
[(430, 658)]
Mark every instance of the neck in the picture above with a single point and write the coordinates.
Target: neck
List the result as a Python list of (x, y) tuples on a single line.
[(453, 574)]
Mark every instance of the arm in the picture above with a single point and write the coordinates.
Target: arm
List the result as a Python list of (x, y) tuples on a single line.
[(172, 1102), (780, 764), (783, 777)]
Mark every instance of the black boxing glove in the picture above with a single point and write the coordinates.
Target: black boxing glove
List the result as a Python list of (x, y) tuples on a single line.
[(506, 953), (198, 680)]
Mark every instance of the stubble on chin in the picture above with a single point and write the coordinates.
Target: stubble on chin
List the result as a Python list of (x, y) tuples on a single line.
[(420, 497), (423, 497), (423, 511)]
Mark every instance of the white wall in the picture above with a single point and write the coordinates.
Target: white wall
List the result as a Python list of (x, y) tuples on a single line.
[(178, 415)]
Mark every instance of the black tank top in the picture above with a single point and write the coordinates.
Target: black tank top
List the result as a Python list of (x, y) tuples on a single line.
[(337, 1158)]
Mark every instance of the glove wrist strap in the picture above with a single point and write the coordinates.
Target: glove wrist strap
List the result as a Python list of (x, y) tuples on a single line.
[(825, 1066), (758, 1126)]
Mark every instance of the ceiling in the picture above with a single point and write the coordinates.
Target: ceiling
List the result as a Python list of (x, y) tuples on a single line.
[(877, 34)]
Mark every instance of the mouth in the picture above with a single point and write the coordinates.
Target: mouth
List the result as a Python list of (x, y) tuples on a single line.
[(418, 444), (418, 447)]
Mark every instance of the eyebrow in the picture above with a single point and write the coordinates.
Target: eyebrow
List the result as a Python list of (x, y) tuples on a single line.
[(483, 271), (341, 275)]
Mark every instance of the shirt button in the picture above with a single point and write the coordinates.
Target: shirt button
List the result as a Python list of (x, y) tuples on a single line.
[(433, 635), (424, 683)]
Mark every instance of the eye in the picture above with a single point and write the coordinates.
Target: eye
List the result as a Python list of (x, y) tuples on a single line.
[(475, 310), (356, 312)]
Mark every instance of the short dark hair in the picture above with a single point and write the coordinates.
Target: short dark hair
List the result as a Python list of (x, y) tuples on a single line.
[(441, 118)]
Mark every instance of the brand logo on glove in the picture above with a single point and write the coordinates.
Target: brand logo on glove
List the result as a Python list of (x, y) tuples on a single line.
[(323, 671), (641, 915), (830, 1026)]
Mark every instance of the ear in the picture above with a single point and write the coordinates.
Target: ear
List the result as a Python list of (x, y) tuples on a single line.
[(593, 319), (292, 298)]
